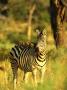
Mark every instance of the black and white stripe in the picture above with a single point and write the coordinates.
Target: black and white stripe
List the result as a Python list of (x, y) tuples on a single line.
[(29, 57)]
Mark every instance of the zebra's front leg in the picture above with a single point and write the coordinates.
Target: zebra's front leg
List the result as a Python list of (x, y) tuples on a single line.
[(25, 77), (43, 73), (34, 74)]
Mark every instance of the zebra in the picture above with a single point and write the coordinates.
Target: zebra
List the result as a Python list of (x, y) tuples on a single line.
[(29, 57)]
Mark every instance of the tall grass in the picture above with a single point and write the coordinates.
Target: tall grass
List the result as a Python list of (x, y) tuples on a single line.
[(55, 76)]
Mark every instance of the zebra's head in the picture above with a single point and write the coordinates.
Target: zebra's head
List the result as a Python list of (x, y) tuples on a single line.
[(41, 41)]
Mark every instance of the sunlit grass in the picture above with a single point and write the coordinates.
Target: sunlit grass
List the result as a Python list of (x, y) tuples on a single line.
[(55, 76)]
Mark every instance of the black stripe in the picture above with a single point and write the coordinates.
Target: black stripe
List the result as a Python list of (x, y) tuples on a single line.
[(11, 54), (40, 60), (40, 56), (22, 58), (28, 60), (21, 47), (17, 49), (15, 52), (25, 58), (38, 64)]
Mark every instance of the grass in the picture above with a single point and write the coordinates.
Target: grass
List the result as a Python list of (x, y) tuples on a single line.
[(55, 76)]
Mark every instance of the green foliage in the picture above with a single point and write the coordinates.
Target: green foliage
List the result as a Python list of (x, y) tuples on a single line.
[(13, 37), (19, 10)]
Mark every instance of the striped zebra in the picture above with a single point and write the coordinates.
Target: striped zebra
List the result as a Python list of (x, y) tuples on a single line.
[(29, 57)]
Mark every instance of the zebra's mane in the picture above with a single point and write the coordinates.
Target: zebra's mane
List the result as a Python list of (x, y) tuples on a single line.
[(24, 44)]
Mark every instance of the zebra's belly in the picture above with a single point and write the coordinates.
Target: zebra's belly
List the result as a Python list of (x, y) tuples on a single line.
[(25, 68)]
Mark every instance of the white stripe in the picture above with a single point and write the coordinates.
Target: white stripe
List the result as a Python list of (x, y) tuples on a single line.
[(16, 51), (41, 63)]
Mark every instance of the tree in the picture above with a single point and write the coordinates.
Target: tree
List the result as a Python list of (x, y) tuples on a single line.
[(57, 11), (30, 21), (4, 7)]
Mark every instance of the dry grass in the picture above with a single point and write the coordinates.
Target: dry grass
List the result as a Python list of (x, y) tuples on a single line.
[(55, 76)]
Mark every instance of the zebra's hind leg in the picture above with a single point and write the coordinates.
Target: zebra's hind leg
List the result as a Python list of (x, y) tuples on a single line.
[(25, 77), (14, 69)]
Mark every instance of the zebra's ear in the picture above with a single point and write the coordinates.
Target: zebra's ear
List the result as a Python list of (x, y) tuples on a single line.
[(38, 31)]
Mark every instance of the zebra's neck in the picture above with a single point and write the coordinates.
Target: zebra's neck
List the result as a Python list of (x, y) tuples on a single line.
[(41, 56), (41, 59)]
